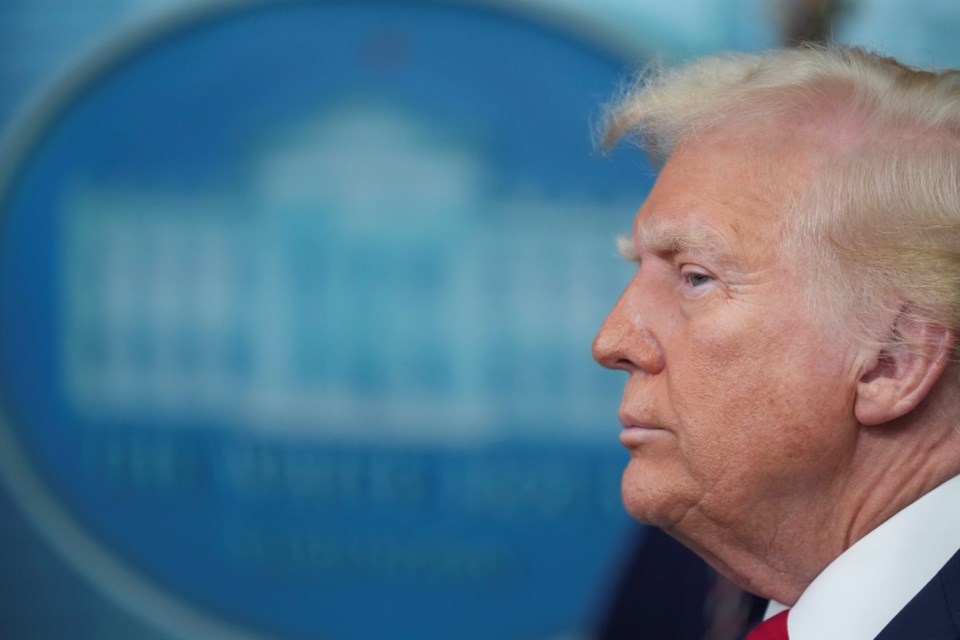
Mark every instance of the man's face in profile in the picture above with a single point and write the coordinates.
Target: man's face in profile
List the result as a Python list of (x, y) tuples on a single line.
[(737, 398)]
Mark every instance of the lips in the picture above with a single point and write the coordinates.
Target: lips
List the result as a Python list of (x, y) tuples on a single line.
[(636, 432), (634, 422), (640, 425)]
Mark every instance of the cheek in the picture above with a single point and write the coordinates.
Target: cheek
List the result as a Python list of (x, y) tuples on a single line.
[(754, 402)]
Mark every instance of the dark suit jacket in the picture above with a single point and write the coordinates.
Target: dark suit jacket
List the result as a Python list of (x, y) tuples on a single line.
[(934, 613)]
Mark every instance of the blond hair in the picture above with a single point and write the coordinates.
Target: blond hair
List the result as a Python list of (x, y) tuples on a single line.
[(878, 226)]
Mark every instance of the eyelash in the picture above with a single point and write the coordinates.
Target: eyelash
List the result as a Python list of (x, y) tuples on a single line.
[(695, 279)]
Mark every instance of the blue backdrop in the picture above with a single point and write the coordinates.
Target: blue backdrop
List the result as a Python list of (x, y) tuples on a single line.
[(296, 301)]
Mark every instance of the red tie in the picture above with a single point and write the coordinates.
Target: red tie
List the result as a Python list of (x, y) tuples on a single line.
[(774, 628)]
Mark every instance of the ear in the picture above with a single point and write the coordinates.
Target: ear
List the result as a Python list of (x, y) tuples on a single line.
[(900, 375)]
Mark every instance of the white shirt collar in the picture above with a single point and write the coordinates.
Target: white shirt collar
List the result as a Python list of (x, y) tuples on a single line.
[(861, 591)]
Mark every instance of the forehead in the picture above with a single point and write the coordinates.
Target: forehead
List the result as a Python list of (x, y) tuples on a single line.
[(723, 195)]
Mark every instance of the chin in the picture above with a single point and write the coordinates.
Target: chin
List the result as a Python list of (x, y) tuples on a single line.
[(647, 513), (653, 499)]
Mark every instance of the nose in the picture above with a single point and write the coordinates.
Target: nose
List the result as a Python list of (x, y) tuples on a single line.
[(624, 341)]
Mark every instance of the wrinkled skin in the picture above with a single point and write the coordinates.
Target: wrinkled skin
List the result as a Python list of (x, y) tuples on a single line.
[(738, 408)]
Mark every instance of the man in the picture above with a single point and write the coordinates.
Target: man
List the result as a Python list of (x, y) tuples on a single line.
[(792, 403)]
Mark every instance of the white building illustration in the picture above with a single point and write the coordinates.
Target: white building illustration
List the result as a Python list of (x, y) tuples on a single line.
[(368, 284)]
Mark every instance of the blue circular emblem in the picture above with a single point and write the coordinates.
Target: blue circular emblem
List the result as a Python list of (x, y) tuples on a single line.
[(296, 301)]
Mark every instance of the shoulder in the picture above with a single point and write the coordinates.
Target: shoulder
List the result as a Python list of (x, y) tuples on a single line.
[(934, 613)]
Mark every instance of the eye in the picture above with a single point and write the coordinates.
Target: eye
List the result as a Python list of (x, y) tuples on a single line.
[(696, 281)]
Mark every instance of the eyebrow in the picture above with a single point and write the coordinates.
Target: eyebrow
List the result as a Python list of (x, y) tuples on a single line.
[(672, 237)]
